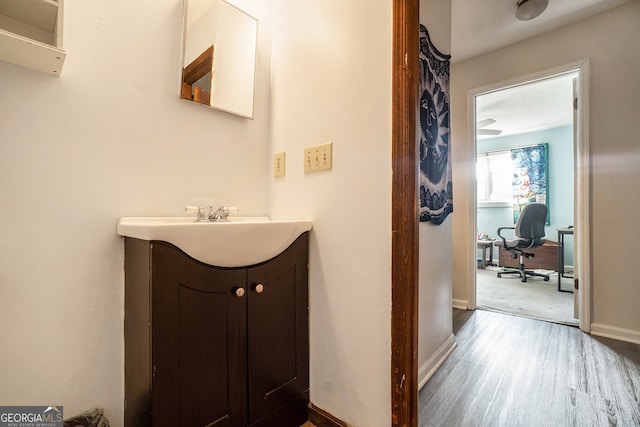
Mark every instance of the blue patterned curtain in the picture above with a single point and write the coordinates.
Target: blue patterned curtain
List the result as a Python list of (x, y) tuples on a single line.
[(436, 193), (530, 171)]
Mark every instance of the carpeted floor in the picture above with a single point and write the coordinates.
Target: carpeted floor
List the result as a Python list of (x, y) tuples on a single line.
[(535, 299)]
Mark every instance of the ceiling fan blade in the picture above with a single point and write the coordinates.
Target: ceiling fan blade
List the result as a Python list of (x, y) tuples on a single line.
[(485, 122), (489, 132)]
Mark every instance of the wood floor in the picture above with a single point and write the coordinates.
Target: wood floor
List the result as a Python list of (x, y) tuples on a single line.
[(513, 371)]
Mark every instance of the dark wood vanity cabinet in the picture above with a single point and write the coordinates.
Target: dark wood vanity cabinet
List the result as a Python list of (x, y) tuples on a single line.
[(210, 346)]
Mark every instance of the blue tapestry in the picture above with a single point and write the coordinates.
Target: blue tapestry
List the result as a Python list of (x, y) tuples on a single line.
[(529, 180), (436, 190)]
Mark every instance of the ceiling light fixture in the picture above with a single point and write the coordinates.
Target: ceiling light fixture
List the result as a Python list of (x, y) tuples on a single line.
[(529, 9)]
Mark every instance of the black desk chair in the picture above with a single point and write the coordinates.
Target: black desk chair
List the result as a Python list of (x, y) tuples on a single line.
[(529, 231)]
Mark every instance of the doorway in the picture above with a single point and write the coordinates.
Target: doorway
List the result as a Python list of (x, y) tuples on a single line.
[(528, 126), (507, 122)]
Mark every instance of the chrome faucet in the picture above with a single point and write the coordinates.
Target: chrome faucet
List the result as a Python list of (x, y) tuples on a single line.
[(221, 214)]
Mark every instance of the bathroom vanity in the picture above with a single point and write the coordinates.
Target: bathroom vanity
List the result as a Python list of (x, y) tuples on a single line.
[(215, 346)]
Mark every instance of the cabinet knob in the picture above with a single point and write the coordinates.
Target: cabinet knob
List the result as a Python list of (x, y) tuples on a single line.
[(239, 292), (259, 288)]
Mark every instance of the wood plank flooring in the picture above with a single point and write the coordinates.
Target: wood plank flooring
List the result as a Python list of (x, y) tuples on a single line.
[(513, 371)]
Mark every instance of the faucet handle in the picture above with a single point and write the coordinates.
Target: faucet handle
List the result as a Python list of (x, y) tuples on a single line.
[(225, 211), (221, 214), (198, 210)]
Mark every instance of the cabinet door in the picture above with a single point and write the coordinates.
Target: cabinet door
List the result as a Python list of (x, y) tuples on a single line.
[(198, 341), (278, 328)]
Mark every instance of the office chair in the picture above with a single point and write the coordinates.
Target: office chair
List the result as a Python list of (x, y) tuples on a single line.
[(529, 231)]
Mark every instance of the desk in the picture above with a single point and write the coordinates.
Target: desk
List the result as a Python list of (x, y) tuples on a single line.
[(545, 257), (486, 245), (561, 233)]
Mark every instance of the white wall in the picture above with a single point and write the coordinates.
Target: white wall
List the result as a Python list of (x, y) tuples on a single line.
[(435, 319), (108, 138), (332, 83), (610, 40)]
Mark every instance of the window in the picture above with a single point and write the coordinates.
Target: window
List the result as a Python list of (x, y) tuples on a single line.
[(494, 172)]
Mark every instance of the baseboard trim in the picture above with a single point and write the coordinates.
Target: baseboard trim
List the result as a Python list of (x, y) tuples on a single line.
[(322, 418), (432, 364), (461, 304), (616, 333)]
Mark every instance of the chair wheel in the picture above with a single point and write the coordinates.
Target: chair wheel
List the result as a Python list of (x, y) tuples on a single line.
[(499, 275), (546, 279), (524, 279)]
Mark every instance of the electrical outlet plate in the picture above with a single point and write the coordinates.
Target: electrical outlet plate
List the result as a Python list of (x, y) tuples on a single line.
[(279, 160), (318, 158)]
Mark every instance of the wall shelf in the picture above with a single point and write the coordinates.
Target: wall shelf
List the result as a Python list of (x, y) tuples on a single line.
[(31, 34)]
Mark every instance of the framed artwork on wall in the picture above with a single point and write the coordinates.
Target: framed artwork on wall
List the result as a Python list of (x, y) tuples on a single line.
[(530, 177)]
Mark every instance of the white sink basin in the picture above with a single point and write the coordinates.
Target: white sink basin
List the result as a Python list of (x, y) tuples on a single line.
[(239, 242)]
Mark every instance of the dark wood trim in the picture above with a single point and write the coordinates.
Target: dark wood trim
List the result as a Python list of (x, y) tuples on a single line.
[(201, 96), (404, 216), (321, 418), (199, 67), (186, 91)]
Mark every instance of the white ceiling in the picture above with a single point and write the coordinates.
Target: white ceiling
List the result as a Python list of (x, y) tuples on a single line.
[(481, 26), (527, 108)]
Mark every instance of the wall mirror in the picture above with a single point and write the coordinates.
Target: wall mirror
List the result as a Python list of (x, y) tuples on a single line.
[(219, 56)]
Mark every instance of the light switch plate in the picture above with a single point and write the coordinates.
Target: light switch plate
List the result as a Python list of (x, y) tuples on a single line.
[(318, 158), (308, 165), (279, 160)]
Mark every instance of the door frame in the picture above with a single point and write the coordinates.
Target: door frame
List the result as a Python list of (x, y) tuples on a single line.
[(582, 186), (404, 213)]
